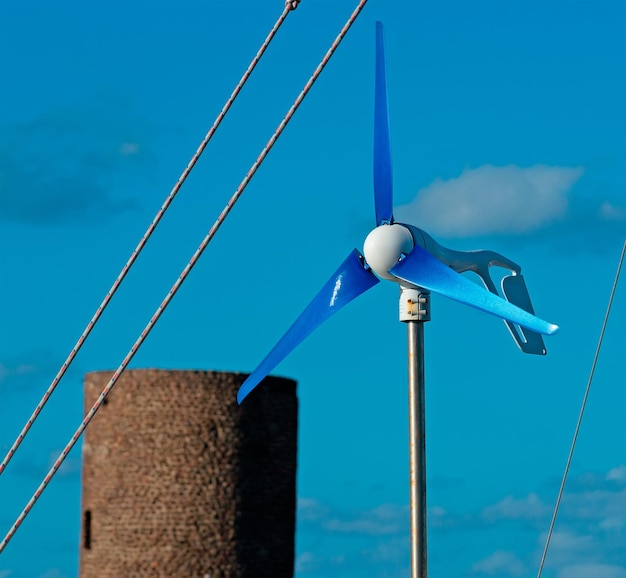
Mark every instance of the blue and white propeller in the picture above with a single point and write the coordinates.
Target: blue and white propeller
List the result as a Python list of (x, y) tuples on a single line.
[(408, 256)]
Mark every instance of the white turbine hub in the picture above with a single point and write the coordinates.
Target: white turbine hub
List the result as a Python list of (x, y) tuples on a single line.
[(384, 246)]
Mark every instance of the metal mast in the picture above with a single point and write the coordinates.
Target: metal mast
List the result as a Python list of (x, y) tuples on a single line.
[(415, 311)]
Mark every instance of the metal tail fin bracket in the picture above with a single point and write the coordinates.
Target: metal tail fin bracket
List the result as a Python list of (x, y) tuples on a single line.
[(515, 291), (513, 288)]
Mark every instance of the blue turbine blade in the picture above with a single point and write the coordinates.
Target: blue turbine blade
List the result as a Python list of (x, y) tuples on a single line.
[(422, 269), (346, 284), (383, 180)]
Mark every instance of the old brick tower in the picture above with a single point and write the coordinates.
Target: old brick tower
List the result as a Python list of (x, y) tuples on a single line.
[(180, 481)]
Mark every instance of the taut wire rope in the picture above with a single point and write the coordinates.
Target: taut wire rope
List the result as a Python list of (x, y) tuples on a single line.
[(580, 415), (194, 259), (289, 6)]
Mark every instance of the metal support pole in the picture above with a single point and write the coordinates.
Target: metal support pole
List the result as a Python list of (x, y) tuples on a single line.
[(417, 450), (415, 311)]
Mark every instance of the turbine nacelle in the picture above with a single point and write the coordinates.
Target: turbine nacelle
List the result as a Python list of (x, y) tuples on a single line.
[(388, 244), (385, 246)]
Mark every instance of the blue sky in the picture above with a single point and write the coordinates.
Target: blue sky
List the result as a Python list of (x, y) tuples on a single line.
[(508, 133)]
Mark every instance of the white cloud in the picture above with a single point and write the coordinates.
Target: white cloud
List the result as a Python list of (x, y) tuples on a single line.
[(70, 466), (568, 541), (610, 212), (592, 571), (392, 554), (306, 562), (490, 199), (27, 370), (529, 508), (594, 505), (567, 548), (437, 511), (589, 535), (592, 527), (129, 148), (500, 563), (53, 573), (370, 541), (439, 517), (54, 172), (618, 474), (385, 519), (16, 370), (310, 510), (613, 524)]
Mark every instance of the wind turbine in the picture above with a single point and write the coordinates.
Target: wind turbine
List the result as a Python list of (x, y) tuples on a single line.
[(406, 255)]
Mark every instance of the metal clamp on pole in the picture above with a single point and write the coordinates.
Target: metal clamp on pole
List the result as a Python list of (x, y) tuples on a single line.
[(414, 304)]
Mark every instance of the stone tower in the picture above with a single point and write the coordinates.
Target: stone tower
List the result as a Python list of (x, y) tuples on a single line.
[(180, 481)]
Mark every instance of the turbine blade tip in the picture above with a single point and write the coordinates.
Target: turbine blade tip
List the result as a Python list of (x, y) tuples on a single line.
[(245, 390), (552, 329)]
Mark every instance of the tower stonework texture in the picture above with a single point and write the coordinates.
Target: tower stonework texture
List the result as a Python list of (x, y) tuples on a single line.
[(180, 481)]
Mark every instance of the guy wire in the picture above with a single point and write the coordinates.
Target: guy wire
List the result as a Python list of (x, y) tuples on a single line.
[(580, 416), (194, 259), (289, 6)]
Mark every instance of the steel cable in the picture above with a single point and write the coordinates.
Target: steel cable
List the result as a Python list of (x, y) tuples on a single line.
[(289, 6), (580, 415), (87, 419)]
